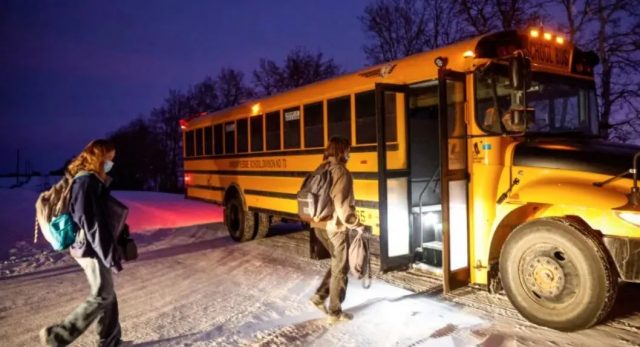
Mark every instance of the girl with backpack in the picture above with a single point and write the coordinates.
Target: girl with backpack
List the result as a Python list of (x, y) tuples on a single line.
[(334, 232), (94, 249)]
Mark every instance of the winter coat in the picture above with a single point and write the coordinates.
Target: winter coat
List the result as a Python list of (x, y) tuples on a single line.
[(344, 210), (100, 219)]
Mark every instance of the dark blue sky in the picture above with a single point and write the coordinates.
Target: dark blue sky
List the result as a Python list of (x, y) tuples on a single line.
[(71, 71)]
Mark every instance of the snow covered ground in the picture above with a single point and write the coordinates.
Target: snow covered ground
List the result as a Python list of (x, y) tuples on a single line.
[(193, 286)]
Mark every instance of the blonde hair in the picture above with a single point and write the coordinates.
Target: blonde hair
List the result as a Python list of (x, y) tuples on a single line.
[(92, 158), (337, 148)]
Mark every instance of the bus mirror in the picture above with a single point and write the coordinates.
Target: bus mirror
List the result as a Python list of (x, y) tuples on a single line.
[(519, 72)]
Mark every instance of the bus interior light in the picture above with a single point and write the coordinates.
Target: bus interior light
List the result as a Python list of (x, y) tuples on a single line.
[(547, 36), (534, 33), (560, 40), (469, 54)]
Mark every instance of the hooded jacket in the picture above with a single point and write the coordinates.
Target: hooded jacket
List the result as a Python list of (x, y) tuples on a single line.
[(344, 215), (98, 219)]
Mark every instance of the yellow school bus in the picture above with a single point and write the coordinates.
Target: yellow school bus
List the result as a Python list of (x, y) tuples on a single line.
[(481, 162)]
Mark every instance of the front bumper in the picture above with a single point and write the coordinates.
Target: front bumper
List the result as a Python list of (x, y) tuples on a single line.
[(626, 255)]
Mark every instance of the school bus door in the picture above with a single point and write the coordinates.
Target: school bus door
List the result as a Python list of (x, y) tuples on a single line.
[(454, 179), (393, 177)]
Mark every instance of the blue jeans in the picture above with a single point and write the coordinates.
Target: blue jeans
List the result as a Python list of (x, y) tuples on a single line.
[(101, 304)]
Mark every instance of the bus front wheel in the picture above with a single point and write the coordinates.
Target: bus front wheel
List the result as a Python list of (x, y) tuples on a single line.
[(557, 274), (240, 223)]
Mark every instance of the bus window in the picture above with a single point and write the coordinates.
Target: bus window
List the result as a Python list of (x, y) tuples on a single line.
[(199, 143), (256, 133), (229, 138), (243, 135), (189, 143), (217, 138), (365, 118), (292, 128), (208, 141), (313, 125), (339, 114), (273, 131)]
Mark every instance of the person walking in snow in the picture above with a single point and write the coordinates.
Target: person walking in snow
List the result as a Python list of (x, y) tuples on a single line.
[(334, 233), (94, 249)]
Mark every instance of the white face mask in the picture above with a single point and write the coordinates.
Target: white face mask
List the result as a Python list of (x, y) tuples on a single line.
[(108, 164)]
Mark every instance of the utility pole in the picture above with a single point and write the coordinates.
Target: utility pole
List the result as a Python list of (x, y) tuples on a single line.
[(18, 166)]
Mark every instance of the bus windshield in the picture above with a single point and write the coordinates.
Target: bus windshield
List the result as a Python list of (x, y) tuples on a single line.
[(563, 105)]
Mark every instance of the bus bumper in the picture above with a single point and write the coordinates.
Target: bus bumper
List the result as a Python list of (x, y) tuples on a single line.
[(626, 254)]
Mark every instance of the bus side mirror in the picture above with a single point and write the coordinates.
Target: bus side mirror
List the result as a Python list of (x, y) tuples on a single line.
[(520, 72)]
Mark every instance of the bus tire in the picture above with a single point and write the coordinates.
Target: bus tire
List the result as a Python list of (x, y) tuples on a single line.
[(262, 228), (557, 274), (240, 223)]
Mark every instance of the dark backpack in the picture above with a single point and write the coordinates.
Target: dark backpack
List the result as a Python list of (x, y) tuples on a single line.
[(314, 199)]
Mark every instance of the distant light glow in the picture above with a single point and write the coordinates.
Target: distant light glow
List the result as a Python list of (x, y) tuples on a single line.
[(560, 40), (534, 33), (547, 36)]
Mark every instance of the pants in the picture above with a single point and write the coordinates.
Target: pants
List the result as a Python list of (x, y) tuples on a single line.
[(334, 283), (101, 304)]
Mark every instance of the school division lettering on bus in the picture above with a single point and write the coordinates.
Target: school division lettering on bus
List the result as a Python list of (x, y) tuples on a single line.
[(259, 164)]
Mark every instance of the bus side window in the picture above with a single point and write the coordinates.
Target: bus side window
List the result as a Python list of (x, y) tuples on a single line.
[(229, 138), (292, 128), (313, 125), (208, 141), (189, 143), (217, 138), (365, 118), (243, 135), (339, 114), (273, 131), (199, 141), (256, 133)]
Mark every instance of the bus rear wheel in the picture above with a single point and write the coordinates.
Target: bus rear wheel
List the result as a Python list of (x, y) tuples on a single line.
[(240, 223), (262, 227), (557, 274)]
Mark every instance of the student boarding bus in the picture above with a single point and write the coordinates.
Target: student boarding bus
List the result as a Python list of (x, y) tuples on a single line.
[(482, 162)]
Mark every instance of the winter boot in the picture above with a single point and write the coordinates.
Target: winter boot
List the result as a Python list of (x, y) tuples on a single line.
[(340, 317), (318, 302)]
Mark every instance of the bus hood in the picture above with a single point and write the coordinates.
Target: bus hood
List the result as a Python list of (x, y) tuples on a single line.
[(589, 156)]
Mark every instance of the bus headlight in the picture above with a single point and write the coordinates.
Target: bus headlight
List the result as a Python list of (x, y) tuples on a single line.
[(629, 217)]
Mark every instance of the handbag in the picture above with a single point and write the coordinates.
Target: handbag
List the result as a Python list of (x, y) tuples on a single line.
[(127, 246)]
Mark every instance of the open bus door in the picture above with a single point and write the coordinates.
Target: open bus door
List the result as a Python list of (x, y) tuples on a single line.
[(393, 177), (454, 178)]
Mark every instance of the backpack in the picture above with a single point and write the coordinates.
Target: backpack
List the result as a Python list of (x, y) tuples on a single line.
[(359, 260), (53, 217), (314, 199)]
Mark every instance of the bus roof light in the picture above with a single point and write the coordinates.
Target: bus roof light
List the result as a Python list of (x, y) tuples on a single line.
[(183, 124), (255, 109)]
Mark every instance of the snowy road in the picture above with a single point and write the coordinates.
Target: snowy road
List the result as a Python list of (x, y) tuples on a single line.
[(193, 286)]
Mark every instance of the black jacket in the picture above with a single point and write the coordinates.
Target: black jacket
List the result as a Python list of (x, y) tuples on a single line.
[(92, 207)]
